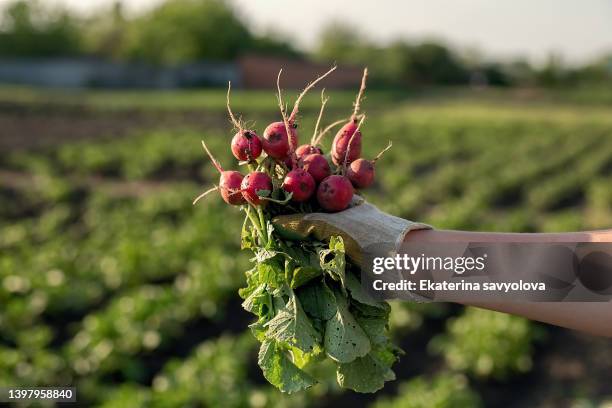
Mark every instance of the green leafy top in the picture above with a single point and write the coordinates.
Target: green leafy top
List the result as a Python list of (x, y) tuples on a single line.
[(310, 306)]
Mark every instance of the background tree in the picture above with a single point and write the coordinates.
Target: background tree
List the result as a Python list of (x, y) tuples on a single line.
[(28, 29), (186, 30), (105, 34)]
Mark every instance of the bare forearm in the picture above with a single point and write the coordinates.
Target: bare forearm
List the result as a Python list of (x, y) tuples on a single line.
[(590, 317), (469, 236), (594, 317)]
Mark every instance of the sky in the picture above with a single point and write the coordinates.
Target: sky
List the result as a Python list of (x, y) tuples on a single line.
[(579, 30)]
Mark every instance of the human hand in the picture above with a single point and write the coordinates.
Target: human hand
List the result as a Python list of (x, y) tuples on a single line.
[(361, 226)]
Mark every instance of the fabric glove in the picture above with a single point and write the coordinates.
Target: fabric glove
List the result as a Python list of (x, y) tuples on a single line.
[(361, 226)]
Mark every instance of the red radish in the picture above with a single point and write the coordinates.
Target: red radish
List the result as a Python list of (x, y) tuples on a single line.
[(340, 148), (246, 145), (229, 186), (300, 183), (335, 193), (349, 133), (254, 182), (275, 141), (229, 183), (361, 171), (317, 165), (307, 149)]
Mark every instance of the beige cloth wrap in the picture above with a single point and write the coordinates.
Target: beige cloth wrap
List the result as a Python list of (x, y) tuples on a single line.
[(361, 226)]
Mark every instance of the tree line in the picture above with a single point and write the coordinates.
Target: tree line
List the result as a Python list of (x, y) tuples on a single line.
[(180, 31)]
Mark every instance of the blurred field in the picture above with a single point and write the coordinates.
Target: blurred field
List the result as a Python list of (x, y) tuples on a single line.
[(111, 281)]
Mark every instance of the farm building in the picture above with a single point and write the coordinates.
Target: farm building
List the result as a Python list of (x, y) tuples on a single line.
[(250, 71)]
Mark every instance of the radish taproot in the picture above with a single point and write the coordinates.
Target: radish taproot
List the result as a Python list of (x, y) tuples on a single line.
[(361, 172), (229, 183), (254, 184), (335, 193), (350, 133), (311, 148), (246, 145), (300, 184)]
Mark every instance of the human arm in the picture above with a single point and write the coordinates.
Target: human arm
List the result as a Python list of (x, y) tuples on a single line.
[(364, 224), (591, 317)]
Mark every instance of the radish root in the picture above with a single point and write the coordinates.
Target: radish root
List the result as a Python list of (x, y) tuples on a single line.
[(362, 88), (286, 121), (204, 194), (327, 129), (214, 161), (235, 122), (379, 155), (324, 100), (311, 85)]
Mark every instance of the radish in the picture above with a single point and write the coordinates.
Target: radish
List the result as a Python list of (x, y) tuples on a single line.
[(361, 171), (229, 186), (254, 182), (340, 149), (335, 193), (317, 165), (229, 183), (307, 149), (300, 183), (276, 142), (349, 133), (246, 145)]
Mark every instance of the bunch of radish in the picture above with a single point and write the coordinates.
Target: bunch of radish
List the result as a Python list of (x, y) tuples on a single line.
[(292, 175), (300, 289)]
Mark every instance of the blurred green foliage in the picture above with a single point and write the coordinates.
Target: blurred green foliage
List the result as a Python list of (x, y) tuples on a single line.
[(176, 31), (487, 344), (186, 30), (400, 62), (442, 391), (28, 29), (417, 63)]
